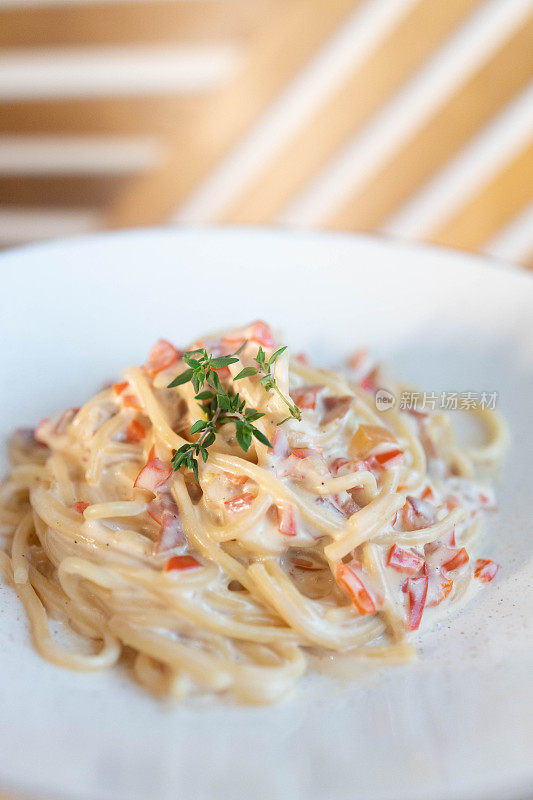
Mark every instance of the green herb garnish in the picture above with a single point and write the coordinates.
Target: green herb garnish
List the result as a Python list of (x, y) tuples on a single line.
[(221, 406)]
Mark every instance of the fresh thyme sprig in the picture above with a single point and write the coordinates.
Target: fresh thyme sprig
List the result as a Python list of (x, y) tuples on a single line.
[(221, 406), (264, 368)]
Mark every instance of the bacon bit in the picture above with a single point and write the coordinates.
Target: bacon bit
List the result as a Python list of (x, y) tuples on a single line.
[(461, 557), (64, 420), (118, 388), (343, 466), (451, 538), (348, 506), (417, 514), (256, 332), (348, 577), (485, 569), (302, 358), (404, 560), (155, 510), (240, 503), (357, 359), (367, 437), (368, 383), (40, 430), (417, 590), (231, 344), (181, 562), (305, 397), (335, 408), (56, 426), (80, 506), (280, 445), (237, 480), (171, 533), (309, 564), (262, 333), (27, 440), (416, 412), (135, 432), (164, 502), (339, 463), (162, 355), (286, 520), (153, 475), (345, 506), (427, 494)]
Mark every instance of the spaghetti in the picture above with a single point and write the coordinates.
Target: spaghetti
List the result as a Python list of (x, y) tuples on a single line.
[(345, 535)]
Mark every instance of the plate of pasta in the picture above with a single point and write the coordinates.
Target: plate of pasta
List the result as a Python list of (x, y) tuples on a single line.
[(264, 516)]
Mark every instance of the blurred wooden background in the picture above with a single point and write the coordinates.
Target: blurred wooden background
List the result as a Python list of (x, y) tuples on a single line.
[(409, 118)]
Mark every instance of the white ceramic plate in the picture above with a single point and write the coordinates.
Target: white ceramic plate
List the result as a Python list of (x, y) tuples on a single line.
[(457, 725)]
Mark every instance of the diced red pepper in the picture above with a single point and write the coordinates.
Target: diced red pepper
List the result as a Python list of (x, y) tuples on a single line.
[(240, 503), (404, 560), (237, 480), (162, 355), (485, 569), (135, 432), (286, 519), (306, 452), (224, 373), (129, 400), (392, 458), (350, 578), (427, 494), (181, 562), (417, 590), (118, 388), (461, 557), (451, 502), (153, 475), (80, 506)]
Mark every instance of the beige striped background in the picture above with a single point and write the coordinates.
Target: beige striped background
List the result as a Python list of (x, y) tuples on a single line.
[(409, 118)]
